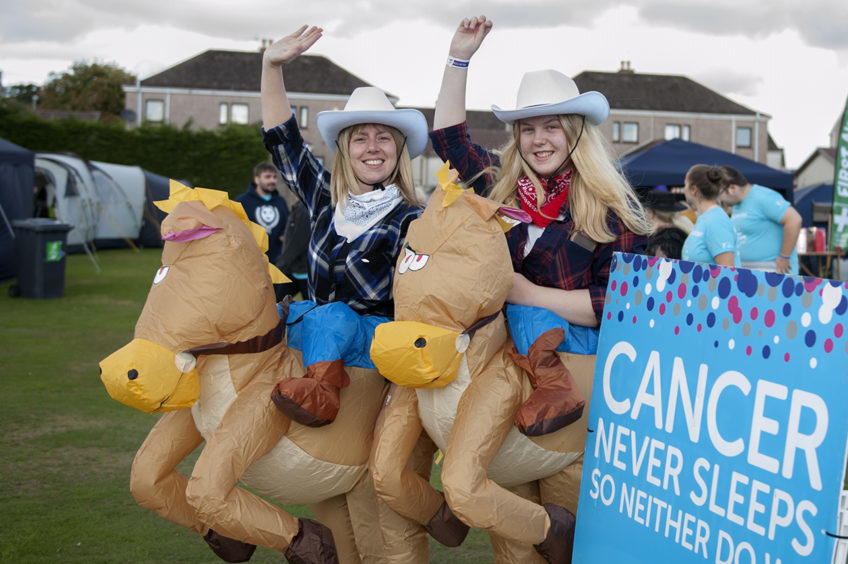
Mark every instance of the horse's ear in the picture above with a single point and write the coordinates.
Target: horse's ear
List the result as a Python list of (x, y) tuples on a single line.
[(510, 217), (190, 220)]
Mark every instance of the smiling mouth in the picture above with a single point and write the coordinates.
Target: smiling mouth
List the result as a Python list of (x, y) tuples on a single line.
[(376, 162), (543, 154)]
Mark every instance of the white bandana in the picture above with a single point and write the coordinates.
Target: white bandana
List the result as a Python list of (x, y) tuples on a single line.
[(363, 211)]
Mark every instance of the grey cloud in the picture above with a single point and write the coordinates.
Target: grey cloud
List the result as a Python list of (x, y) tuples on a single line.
[(822, 23)]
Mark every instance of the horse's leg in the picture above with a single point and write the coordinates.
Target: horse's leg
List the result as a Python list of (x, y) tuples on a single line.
[(509, 551), (382, 535), (395, 437), (249, 429), (483, 420), (333, 512), (563, 488), (154, 481)]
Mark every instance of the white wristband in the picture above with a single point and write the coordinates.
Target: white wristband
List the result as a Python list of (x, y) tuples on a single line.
[(457, 63)]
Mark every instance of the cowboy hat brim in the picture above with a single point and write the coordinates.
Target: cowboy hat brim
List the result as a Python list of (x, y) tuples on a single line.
[(591, 104), (411, 123)]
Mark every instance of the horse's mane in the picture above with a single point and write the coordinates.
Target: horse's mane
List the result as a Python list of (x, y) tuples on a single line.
[(218, 198)]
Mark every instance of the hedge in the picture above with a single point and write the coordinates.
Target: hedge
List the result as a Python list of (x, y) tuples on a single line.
[(222, 159)]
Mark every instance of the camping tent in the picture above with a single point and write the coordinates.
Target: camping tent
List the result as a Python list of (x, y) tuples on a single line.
[(666, 163), (16, 199), (71, 193), (120, 193)]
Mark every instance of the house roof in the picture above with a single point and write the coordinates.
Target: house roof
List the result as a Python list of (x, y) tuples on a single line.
[(827, 153), (627, 90), (241, 71)]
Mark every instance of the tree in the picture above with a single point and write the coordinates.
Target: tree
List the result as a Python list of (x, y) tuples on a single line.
[(23, 93), (86, 87)]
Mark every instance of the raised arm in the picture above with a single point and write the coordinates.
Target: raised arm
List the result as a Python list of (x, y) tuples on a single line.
[(276, 108), (450, 106)]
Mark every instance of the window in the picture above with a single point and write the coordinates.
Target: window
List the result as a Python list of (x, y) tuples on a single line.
[(629, 132), (154, 110), (743, 136), (616, 131), (672, 131), (686, 133), (303, 120), (223, 113), (238, 113)]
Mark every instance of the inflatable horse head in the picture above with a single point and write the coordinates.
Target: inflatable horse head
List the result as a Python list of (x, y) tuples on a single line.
[(218, 297)]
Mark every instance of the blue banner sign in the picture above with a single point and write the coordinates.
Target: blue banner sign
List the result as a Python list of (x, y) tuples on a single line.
[(718, 417)]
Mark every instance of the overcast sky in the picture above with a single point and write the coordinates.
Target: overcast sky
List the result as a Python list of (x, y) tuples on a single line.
[(785, 58)]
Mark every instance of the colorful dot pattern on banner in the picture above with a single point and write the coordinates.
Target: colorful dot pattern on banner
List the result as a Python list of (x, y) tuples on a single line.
[(766, 317)]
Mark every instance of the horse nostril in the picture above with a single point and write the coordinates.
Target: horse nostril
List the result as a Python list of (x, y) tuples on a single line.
[(420, 343), (132, 374)]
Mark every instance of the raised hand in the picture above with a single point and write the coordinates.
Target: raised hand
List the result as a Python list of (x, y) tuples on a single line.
[(290, 46), (468, 37)]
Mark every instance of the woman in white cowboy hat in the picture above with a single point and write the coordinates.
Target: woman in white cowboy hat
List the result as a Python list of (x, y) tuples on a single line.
[(359, 214), (558, 169)]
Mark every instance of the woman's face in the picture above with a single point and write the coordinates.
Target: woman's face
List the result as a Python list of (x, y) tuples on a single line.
[(373, 155), (542, 143), (692, 194)]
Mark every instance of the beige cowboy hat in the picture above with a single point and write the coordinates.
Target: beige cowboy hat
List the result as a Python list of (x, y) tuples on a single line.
[(548, 92), (368, 104)]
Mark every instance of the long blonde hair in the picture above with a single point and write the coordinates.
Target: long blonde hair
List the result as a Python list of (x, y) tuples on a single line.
[(342, 178), (597, 187)]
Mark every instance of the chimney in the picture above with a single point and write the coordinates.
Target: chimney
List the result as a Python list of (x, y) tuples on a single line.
[(625, 67)]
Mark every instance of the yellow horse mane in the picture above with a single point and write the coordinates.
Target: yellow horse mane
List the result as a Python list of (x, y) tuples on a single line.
[(212, 199)]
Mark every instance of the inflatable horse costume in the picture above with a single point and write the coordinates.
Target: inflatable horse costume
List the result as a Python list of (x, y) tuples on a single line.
[(208, 350), (450, 347)]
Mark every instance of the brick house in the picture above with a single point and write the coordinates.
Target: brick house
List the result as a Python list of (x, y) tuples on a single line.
[(647, 107), (217, 87)]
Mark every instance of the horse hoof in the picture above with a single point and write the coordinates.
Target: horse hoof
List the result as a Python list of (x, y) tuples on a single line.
[(313, 544), (559, 542), (446, 527), (227, 549)]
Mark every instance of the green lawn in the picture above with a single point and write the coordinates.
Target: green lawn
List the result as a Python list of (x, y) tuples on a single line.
[(67, 446)]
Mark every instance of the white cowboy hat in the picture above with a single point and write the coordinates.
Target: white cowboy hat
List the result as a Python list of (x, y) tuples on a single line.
[(548, 92), (368, 104)]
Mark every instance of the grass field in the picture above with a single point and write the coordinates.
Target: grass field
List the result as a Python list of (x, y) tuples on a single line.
[(67, 447)]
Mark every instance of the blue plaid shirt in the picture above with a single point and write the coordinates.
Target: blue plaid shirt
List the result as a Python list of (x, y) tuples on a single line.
[(358, 273), (554, 261)]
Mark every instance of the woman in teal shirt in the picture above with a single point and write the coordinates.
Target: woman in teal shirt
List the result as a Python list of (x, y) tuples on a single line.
[(713, 239)]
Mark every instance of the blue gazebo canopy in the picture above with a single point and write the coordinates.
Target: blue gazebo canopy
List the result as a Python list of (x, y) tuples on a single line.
[(666, 163)]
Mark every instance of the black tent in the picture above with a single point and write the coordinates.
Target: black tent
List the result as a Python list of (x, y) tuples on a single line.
[(17, 179), (806, 197), (156, 188), (666, 163)]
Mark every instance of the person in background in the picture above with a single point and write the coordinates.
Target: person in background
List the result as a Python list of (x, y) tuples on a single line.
[(713, 239), (767, 226), (670, 227), (264, 205)]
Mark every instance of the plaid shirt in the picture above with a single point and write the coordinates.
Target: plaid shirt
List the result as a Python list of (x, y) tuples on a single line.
[(358, 273), (554, 261)]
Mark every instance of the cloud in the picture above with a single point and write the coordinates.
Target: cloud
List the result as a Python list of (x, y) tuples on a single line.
[(820, 23)]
